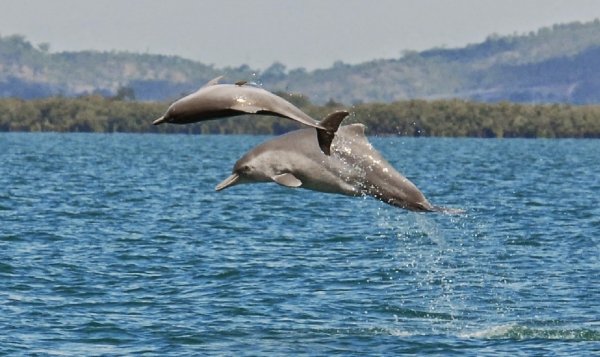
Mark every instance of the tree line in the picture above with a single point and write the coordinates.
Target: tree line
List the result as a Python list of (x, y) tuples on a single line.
[(447, 118)]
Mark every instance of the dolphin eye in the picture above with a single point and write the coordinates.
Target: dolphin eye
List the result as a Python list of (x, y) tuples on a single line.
[(243, 169)]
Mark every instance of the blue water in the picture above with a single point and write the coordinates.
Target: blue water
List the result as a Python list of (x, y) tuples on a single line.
[(118, 245)]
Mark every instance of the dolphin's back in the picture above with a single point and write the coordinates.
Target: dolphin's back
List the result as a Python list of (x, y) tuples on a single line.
[(245, 99)]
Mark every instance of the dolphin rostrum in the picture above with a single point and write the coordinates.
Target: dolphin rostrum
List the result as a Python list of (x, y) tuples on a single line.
[(214, 101), (354, 168)]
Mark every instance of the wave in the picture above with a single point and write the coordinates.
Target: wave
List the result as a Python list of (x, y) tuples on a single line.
[(521, 332)]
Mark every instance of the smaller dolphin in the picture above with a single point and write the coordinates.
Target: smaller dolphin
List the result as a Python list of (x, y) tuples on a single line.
[(214, 101), (354, 168)]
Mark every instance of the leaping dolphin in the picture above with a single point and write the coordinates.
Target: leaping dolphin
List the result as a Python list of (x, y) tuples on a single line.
[(354, 168), (214, 101)]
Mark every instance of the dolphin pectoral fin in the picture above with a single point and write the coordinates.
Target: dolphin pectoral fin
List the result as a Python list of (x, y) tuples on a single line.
[(287, 180), (212, 82), (228, 182), (331, 124)]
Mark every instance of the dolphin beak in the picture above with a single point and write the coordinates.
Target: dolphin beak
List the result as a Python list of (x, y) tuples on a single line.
[(228, 182), (159, 120)]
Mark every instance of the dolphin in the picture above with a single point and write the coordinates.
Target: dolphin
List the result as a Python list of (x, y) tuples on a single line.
[(354, 168), (215, 100)]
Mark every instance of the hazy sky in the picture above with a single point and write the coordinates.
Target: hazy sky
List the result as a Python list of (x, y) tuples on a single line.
[(299, 33)]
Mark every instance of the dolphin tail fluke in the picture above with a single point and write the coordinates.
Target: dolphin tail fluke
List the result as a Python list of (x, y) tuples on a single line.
[(331, 123)]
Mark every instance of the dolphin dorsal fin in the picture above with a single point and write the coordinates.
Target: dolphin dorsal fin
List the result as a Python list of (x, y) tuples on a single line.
[(356, 129), (287, 180), (212, 82)]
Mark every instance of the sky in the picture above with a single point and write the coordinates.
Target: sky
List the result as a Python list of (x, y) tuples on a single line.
[(307, 33)]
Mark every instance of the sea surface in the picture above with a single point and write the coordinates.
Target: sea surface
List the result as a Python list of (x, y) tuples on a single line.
[(117, 244)]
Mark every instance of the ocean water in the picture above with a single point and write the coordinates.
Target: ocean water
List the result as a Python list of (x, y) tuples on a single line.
[(117, 244)]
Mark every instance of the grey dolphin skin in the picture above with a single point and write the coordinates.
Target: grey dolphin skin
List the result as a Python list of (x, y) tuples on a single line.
[(354, 168), (214, 101)]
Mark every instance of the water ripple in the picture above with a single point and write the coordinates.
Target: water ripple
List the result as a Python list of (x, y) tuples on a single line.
[(118, 245)]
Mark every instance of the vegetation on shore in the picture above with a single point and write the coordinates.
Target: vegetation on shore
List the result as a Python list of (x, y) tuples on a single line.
[(448, 118)]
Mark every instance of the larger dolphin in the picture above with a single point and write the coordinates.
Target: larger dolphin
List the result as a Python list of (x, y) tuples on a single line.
[(354, 168), (215, 100)]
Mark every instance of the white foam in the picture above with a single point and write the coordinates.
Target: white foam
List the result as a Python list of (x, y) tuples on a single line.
[(489, 332)]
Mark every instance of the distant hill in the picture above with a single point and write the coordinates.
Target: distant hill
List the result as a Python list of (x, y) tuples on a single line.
[(558, 64)]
